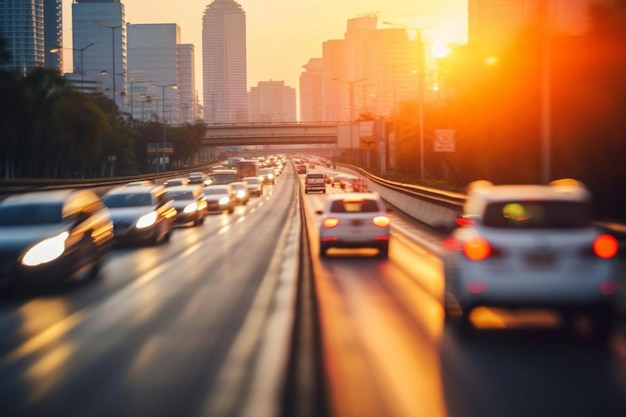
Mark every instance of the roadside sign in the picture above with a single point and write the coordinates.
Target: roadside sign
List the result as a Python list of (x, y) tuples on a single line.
[(444, 140)]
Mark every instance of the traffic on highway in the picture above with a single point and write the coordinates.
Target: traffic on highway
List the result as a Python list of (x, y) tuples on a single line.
[(284, 302)]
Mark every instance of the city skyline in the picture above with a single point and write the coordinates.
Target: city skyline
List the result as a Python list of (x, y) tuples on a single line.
[(282, 37)]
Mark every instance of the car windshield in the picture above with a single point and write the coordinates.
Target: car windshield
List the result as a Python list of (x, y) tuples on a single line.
[(30, 214), (208, 191), (128, 200), (180, 195), (315, 180), (537, 215), (253, 180), (354, 206)]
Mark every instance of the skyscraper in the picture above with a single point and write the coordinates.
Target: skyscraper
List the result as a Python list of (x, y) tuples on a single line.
[(153, 66), (99, 44), (31, 29), (272, 101), (224, 69)]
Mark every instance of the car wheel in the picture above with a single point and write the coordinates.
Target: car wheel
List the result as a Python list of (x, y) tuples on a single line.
[(383, 250), (323, 249), (458, 318), (94, 272), (602, 319)]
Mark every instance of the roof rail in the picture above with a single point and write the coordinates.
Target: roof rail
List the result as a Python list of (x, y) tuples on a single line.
[(567, 183)]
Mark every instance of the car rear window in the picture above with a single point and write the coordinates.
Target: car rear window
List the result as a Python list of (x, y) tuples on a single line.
[(354, 206), (30, 214), (537, 215)]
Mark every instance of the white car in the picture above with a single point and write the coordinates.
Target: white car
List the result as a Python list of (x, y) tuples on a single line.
[(354, 220), (531, 246)]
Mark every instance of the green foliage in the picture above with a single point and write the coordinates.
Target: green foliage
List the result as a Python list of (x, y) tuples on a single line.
[(51, 130)]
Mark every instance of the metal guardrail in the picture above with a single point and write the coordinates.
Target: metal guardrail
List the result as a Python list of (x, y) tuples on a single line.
[(454, 202)]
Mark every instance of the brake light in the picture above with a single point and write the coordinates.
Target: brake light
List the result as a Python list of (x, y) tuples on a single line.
[(477, 249), (381, 221), (330, 222), (605, 246), (464, 221)]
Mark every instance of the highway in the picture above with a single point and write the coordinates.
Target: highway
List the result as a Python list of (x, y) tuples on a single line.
[(233, 318)]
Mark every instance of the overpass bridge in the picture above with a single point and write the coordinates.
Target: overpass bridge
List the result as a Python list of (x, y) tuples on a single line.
[(271, 134)]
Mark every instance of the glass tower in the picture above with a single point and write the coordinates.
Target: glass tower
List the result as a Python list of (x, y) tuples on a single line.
[(224, 69)]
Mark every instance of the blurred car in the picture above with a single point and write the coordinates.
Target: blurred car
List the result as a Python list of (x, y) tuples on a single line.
[(530, 246), (301, 169), (315, 181), (190, 204), (242, 194), (139, 183), (50, 237), (267, 175), (355, 220), (198, 177), (175, 182), (255, 186), (141, 214), (219, 198)]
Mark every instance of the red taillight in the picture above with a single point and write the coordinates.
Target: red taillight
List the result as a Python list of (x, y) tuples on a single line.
[(381, 221), (464, 221), (477, 249), (330, 222), (605, 246)]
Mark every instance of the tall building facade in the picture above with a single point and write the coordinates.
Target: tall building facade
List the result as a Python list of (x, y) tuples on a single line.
[(311, 105), (53, 33), (368, 72), (153, 73), (31, 29), (99, 45), (187, 93), (224, 61), (272, 102)]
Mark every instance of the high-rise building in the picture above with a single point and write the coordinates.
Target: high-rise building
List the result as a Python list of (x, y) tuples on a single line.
[(187, 92), (368, 72), (53, 33), (224, 71), (99, 45), (153, 70), (272, 102), (311, 99), (31, 28)]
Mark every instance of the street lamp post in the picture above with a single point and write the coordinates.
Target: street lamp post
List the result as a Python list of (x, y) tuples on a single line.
[(351, 98), (420, 84), (163, 87), (112, 52), (57, 49)]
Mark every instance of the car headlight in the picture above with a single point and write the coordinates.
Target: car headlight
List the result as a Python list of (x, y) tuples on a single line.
[(46, 251), (190, 208), (147, 220), (224, 200), (241, 194)]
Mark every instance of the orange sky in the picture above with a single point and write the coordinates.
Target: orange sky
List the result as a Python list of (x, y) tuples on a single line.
[(284, 34)]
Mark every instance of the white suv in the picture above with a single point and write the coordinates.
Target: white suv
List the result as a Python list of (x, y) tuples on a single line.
[(355, 220), (531, 246)]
